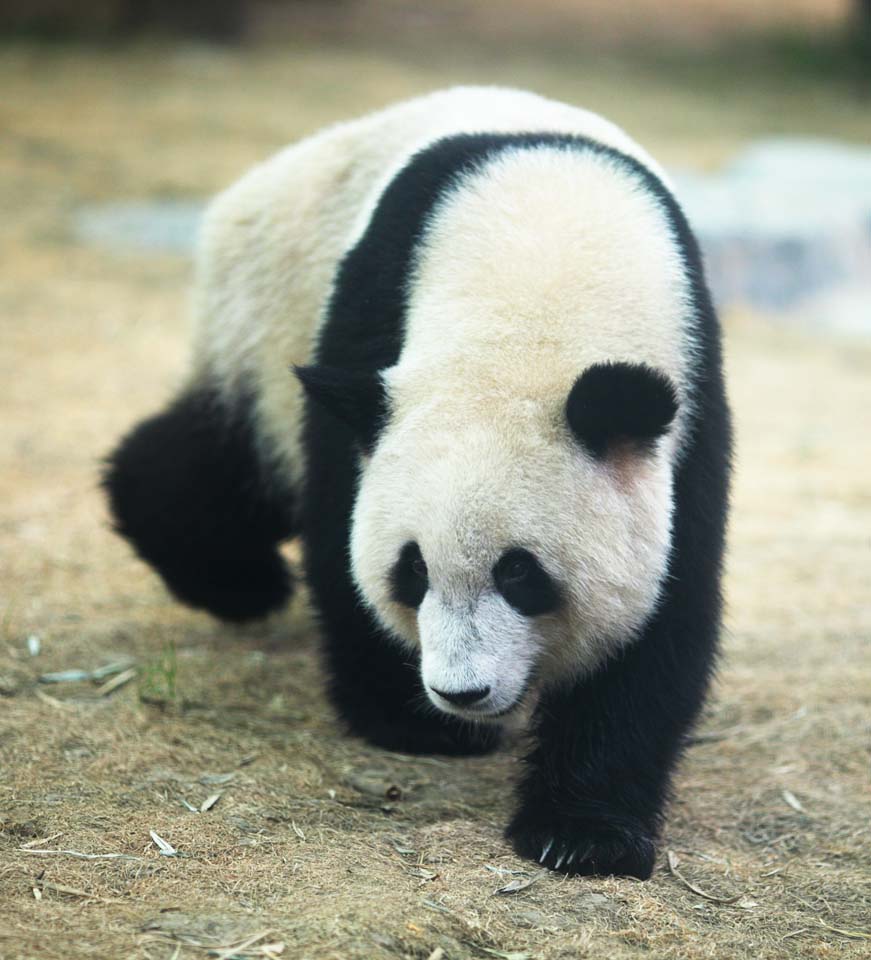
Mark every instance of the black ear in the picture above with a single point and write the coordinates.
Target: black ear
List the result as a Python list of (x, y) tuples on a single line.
[(613, 402), (357, 399)]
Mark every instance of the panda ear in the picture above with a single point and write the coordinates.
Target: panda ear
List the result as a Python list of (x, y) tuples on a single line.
[(613, 403), (357, 399)]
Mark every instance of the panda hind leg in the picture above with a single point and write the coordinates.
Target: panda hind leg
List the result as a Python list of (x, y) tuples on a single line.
[(188, 490)]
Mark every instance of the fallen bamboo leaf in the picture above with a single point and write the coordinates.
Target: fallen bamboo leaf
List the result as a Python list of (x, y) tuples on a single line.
[(792, 800), (34, 645), (100, 673), (673, 862), (437, 954), (65, 676), (209, 802), (521, 883), (189, 806), (297, 831), (166, 849)]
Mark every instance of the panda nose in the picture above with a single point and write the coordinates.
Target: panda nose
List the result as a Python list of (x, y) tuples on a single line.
[(463, 698)]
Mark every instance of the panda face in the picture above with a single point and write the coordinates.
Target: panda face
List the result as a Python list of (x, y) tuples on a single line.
[(481, 654), (507, 557)]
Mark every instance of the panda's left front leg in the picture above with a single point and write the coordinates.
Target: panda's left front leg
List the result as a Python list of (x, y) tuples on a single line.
[(596, 783), (375, 685)]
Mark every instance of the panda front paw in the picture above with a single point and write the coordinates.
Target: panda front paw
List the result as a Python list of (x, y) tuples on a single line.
[(583, 846)]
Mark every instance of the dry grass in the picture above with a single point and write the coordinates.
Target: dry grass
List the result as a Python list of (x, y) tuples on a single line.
[(307, 845)]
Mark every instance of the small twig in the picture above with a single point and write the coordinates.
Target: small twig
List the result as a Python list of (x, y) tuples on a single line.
[(672, 866), (796, 933), (52, 701), (852, 934), (115, 682), (36, 843), (79, 855), (715, 736), (227, 952), (74, 892)]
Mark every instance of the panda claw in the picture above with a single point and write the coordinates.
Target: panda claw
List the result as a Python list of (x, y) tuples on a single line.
[(546, 851), (560, 860)]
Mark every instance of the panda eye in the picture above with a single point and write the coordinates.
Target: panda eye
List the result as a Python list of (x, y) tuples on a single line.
[(409, 577), (516, 570), (525, 584)]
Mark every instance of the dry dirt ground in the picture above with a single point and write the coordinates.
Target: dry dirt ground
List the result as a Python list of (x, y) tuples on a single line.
[(318, 846)]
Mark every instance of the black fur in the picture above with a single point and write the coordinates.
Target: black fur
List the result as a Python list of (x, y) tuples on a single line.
[(524, 583), (187, 489), (357, 399), (612, 402), (408, 578)]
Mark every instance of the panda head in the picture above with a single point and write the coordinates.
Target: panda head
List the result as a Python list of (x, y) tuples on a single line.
[(512, 521), (521, 546)]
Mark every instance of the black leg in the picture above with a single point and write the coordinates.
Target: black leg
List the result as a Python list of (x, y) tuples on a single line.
[(593, 794), (373, 682), (592, 797), (187, 489), (376, 688)]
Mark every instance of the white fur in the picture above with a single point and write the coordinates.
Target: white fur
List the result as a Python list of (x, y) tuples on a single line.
[(535, 267), (270, 244), (472, 643)]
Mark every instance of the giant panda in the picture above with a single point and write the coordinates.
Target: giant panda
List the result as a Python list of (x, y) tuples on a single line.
[(463, 348)]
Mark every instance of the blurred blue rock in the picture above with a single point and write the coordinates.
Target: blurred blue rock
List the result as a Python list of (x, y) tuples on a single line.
[(158, 226), (785, 227)]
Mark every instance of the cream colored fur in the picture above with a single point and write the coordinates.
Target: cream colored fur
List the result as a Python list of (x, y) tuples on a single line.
[(270, 244), (535, 267)]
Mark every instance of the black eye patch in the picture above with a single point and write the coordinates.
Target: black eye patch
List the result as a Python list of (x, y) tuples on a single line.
[(409, 579), (524, 583)]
